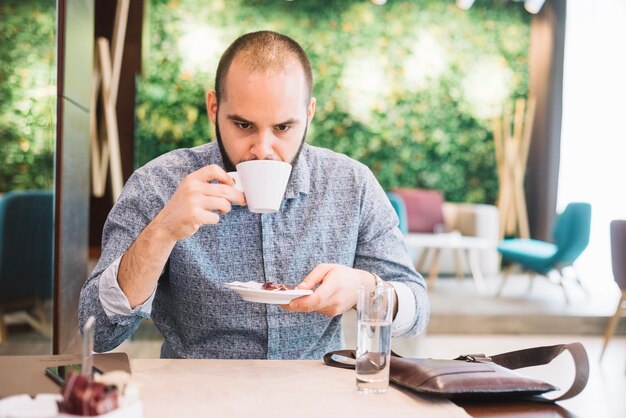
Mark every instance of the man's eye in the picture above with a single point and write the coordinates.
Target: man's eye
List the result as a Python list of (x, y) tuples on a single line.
[(243, 125), (282, 128)]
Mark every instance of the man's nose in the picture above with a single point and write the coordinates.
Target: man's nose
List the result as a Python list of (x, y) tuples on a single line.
[(262, 147)]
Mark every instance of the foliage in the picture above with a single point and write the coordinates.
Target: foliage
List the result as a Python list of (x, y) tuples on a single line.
[(408, 88), (27, 92)]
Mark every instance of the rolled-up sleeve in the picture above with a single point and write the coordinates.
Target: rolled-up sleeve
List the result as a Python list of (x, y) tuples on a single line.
[(403, 322), (101, 296), (113, 300)]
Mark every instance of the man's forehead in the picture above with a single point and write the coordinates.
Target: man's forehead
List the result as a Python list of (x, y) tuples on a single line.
[(290, 117), (275, 97)]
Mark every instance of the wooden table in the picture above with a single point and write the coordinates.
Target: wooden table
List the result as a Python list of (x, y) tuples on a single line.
[(265, 388), (270, 388)]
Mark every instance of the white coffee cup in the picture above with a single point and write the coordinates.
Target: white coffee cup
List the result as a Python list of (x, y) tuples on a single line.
[(263, 182)]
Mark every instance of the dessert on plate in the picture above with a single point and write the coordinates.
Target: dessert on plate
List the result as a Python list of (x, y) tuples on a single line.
[(277, 286)]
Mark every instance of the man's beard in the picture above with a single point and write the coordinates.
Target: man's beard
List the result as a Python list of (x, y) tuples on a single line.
[(228, 162)]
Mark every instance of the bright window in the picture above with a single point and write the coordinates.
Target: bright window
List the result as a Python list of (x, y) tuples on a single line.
[(593, 137)]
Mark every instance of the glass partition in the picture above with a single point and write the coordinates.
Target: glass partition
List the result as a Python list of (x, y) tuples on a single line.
[(27, 143)]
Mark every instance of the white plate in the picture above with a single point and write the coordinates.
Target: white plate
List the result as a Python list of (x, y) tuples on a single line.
[(252, 292), (44, 405)]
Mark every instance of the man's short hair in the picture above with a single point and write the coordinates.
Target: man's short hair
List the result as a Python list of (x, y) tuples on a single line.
[(261, 51)]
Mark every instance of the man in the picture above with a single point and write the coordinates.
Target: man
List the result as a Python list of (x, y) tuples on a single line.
[(180, 230)]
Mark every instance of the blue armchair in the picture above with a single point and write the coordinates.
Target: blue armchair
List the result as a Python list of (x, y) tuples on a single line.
[(570, 235), (26, 233), (400, 208)]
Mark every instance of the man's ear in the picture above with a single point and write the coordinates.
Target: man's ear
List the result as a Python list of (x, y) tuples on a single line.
[(211, 105), (310, 111)]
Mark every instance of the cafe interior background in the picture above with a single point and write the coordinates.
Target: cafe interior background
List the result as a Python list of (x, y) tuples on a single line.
[(410, 88)]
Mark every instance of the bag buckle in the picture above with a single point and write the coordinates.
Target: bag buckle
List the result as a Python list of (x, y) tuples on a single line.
[(474, 358)]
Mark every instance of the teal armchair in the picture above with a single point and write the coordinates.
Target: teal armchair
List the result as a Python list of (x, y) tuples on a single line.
[(570, 235), (26, 253), (400, 208)]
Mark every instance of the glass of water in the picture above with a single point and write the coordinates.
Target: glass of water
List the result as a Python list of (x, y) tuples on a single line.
[(374, 315)]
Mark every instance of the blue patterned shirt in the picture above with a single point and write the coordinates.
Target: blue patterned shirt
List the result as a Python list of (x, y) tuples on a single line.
[(334, 211)]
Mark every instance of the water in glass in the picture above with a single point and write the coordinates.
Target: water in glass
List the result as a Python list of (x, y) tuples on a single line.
[(372, 363)]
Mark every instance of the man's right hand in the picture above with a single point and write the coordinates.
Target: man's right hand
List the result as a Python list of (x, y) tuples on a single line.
[(198, 202), (195, 203)]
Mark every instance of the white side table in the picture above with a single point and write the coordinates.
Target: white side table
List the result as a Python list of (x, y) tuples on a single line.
[(462, 246)]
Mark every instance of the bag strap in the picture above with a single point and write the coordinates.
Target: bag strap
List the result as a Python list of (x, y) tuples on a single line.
[(348, 354), (536, 356), (330, 361), (539, 356)]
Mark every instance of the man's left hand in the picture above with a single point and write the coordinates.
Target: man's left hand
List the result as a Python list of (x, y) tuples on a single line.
[(337, 291)]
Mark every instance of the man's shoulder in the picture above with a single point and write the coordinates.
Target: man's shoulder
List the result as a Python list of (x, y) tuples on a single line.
[(327, 158), (324, 162)]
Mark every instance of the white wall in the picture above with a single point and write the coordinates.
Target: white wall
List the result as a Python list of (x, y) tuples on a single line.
[(593, 142)]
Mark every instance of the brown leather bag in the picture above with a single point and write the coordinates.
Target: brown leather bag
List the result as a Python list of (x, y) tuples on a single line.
[(478, 376)]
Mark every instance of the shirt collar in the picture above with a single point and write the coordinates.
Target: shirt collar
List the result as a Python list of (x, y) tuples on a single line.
[(215, 155), (300, 180)]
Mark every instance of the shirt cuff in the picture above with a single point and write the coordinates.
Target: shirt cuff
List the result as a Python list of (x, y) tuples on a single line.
[(112, 298), (404, 319)]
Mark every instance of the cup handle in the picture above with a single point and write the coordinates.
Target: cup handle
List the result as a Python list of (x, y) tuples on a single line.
[(235, 176)]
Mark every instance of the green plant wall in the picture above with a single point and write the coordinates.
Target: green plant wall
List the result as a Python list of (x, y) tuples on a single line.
[(27, 93), (408, 88)]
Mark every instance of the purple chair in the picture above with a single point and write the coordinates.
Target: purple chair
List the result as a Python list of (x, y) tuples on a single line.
[(618, 257)]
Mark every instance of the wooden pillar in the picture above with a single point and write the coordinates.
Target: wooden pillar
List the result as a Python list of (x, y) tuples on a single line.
[(131, 67), (546, 85)]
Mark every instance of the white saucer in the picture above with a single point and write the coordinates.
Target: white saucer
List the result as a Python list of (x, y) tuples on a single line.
[(253, 292), (44, 405)]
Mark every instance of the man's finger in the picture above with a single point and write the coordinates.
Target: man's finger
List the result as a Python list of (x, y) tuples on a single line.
[(209, 218), (213, 172), (305, 304), (318, 300), (315, 276), (220, 190), (219, 204)]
